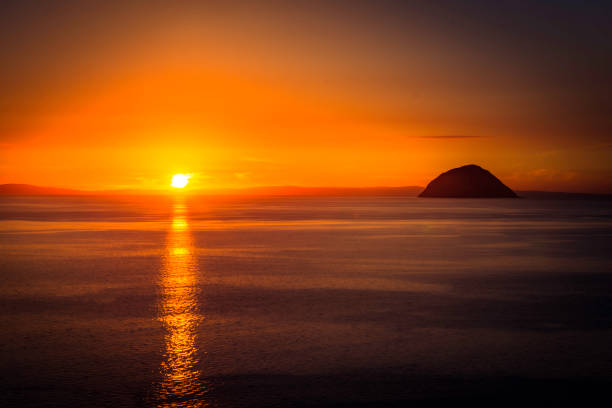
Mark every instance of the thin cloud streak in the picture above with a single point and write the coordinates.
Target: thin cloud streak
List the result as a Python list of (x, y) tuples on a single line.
[(452, 137)]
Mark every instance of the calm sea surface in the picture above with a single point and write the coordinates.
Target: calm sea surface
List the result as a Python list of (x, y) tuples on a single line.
[(188, 302)]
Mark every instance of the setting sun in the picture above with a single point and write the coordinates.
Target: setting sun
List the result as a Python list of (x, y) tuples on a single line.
[(296, 203), (180, 180)]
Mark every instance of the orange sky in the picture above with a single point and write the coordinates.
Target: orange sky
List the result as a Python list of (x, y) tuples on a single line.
[(124, 96)]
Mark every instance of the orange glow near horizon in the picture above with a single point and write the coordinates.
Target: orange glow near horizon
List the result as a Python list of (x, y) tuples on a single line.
[(269, 98)]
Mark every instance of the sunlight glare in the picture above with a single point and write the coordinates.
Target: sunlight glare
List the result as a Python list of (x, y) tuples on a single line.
[(180, 180)]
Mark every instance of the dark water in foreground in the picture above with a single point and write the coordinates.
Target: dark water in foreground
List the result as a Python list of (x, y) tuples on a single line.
[(302, 301)]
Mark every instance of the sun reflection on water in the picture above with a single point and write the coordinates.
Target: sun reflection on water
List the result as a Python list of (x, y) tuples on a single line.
[(181, 384)]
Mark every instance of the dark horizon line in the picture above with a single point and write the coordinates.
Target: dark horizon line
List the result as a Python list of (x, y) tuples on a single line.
[(21, 189), (68, 191)]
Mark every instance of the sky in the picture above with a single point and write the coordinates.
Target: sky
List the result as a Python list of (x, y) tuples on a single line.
[(106, 95)]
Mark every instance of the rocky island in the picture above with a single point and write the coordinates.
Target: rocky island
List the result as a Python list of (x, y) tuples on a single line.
[(469, 181)]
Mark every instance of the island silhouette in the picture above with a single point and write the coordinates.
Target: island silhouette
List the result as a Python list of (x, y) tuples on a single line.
[(470, 181)]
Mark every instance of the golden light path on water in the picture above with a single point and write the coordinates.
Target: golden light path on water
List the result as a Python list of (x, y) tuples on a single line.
[(181, 385)]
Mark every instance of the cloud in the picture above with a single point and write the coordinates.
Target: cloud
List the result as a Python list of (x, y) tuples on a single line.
[(452, 137)]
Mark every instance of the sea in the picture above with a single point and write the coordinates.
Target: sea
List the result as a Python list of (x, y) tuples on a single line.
[(185, 301)]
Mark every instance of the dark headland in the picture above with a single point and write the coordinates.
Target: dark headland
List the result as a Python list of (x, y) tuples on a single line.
[(469, 181), (30, 190)]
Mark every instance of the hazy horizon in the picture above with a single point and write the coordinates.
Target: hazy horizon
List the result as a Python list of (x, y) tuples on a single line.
[(265, 190)]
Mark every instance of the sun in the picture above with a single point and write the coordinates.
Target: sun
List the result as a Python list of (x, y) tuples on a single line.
[(180, 180)]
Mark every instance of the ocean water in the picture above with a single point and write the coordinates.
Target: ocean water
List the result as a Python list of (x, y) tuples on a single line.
[(302, 301)]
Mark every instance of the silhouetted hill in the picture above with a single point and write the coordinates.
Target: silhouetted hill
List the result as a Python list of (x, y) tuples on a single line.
[(469, 181), (27, 189)]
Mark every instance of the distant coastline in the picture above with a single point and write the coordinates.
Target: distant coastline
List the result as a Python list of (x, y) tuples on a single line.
[(559, 195), (404, 191), (382, 191)]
